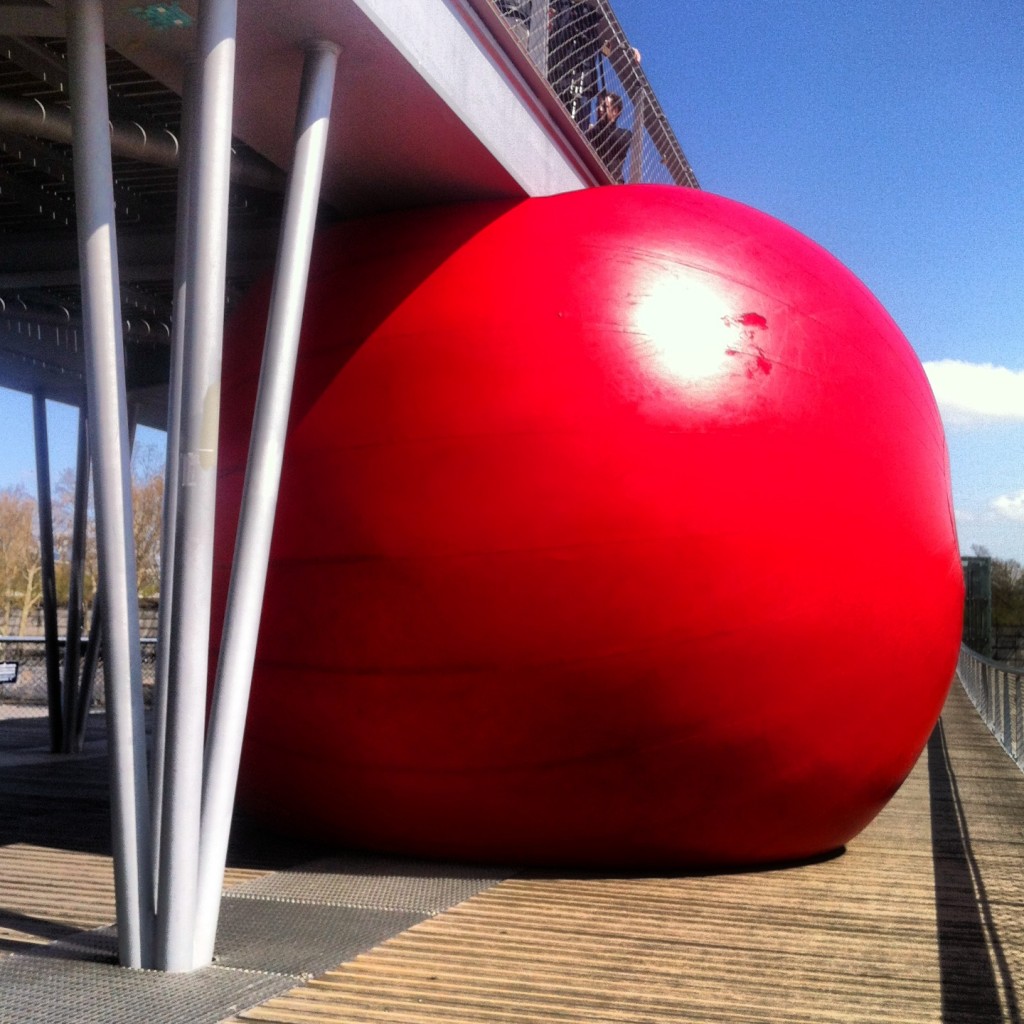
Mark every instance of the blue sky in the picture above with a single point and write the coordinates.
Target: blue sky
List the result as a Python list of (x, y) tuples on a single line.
[(892, 133)]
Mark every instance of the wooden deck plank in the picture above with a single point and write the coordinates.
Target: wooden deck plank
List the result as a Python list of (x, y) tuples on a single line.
[(919, 920), (54, 893)]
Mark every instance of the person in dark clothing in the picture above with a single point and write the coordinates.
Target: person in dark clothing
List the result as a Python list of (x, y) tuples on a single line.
[(609, 140), (577, 38)]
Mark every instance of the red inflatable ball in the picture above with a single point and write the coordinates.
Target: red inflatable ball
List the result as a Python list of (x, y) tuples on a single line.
[(615, 529)]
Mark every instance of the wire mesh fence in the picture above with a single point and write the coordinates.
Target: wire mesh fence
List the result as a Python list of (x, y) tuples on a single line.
[(996, 690), (23, 669), (579, 47)]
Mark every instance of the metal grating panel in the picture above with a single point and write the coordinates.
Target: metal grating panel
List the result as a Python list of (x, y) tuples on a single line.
[(263, 948), (298, 938), (380, 883), (32, 991)]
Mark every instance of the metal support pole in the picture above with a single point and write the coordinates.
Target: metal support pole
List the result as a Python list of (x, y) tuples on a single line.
[(1018, 723), (48, 577), (92, 653), (92, 648), (1007, 736), (260, 490), (73, 642), (197, 487), (636, 142), (171, 481), (108, 419)]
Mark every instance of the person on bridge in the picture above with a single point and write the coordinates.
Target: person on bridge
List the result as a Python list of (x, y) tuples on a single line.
[(578, 36), (609, 140)]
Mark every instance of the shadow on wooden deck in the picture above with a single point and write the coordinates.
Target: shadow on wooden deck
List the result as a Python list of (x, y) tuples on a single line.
[(977, 983)]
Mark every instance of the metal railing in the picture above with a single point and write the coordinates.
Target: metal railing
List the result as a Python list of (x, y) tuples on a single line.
[(26, 656), (581, 50), (996, 690)]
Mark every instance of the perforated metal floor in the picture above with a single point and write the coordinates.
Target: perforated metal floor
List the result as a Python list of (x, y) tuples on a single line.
[(301, 939), (38, 990), (309, 916), (382, 883), (273, 933)]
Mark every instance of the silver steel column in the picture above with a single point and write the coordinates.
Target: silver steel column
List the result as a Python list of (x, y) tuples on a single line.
[(92, 649), (108, 418), (171, 481), (197, 487), (73, 641), (262, 480), (47, 574), (636, 142), (88, 684)]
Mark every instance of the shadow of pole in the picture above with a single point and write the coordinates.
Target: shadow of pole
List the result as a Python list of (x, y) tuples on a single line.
[(38, 928), (974, 976)]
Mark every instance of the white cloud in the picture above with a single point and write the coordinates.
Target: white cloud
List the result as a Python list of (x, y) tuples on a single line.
[(1010, 506), (972, 393)]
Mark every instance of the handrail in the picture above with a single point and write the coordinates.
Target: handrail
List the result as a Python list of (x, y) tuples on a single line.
[(654, 152), (30, 682), (61, 639), (997, 691), (655, 122)]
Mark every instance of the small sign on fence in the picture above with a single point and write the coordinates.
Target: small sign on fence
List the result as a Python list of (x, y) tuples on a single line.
[(8, 672)]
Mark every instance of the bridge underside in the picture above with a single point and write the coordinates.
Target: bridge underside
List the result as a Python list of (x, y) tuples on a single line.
[(428, 109)]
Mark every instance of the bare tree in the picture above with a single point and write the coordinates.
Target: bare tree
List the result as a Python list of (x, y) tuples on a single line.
[(147, 511), (19, 557), (63, 533), (20, 584), (1007, 592)]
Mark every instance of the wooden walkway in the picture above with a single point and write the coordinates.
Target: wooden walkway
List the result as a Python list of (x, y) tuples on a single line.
[(919, 920)]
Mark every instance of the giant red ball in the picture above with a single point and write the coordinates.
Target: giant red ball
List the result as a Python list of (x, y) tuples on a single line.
[(615, 529)]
